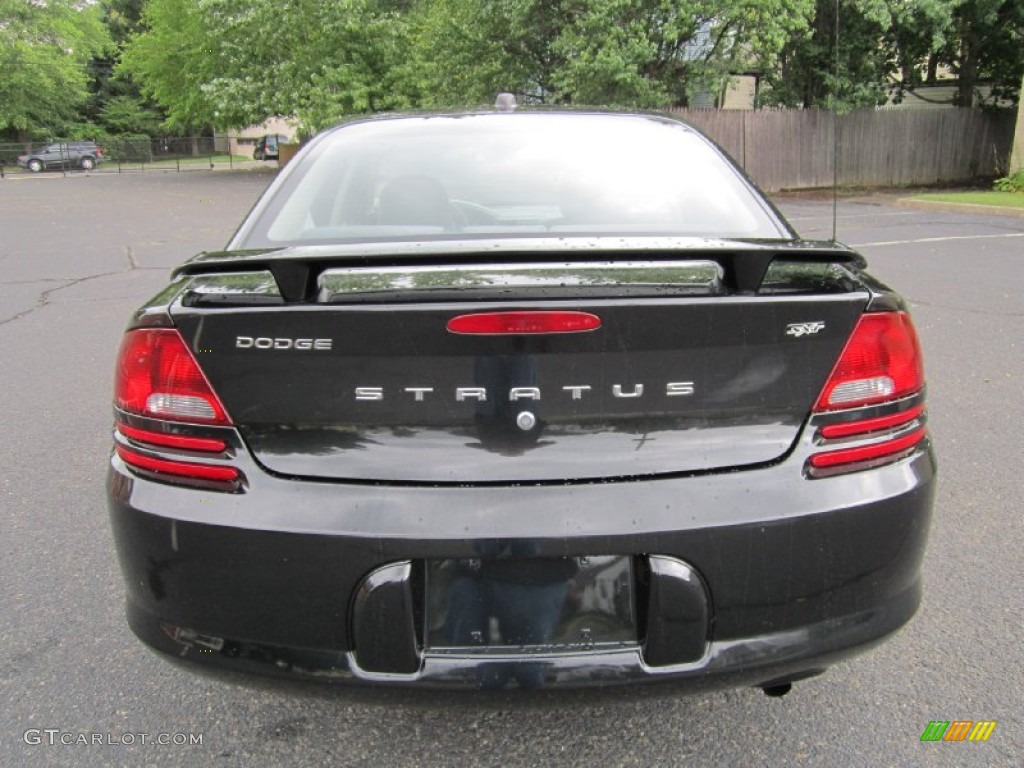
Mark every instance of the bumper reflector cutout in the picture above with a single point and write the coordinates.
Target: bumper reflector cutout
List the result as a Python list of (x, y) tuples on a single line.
[(180, 442), (866, 453), (185, 469), (865, 426)]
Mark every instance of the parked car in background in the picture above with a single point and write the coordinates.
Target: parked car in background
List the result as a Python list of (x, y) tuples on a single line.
[(266, 147), (69, 154)]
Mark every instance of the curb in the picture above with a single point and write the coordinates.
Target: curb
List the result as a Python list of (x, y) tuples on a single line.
[(78, 174)]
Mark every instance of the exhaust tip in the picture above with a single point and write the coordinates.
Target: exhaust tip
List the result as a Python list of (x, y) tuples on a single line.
[(777, 691)]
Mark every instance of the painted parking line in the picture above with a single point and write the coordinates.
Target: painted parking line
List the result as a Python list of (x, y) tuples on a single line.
[(847, 217), (883, 243)]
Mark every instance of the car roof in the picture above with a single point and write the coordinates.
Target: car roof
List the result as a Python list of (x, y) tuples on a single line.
[(568, 112)]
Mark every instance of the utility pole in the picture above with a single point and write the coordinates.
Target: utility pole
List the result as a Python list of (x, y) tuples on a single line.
[(1017, 154)]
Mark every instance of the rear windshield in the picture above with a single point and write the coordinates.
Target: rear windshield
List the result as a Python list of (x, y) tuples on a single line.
[(509, 175)]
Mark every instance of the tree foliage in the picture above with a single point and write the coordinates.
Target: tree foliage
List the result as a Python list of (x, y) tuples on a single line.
[(837, 61), (464, 52), (318, 61), (986, 43), (126, 114), (340, 56), (116, 101), (45, 51), (640, 53), (651, 53), (878, 48), (231, 63), (172, 60)]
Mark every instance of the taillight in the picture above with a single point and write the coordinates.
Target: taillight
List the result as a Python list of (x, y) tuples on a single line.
[(880, 364), (158, 377), (881, 361)]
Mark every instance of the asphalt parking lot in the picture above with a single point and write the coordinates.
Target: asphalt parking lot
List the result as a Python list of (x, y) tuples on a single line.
[(77, 255)]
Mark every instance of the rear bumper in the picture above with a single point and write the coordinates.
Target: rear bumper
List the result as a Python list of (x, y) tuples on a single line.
[(762, 661), (792, 574)]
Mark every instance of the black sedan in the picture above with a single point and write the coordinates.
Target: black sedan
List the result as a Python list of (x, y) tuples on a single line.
[(520, 399)]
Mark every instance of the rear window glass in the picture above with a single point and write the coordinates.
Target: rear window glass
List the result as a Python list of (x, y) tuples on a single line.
[(508, 175)]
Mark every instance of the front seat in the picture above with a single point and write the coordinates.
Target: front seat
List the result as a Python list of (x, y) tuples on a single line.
[(415, 201)]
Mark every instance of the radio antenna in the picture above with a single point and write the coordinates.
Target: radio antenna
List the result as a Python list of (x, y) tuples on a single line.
[(835, 125)]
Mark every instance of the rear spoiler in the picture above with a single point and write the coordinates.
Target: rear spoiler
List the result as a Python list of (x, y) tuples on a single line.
[(297, 270)]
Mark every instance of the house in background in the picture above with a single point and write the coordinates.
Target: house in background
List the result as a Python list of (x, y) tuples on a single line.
[(244, 141), (939, 95), (736, 92), (740, 92)]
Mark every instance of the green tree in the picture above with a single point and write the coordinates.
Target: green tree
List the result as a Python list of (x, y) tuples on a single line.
[(317, 61), (117, 102), (839, 62), (127, 114), (463, 52), (171, 59), (986, 44), (236, 62), (649, 53), (916, 34), (641, 53), (232, 63), (45, 51), (886, 47)]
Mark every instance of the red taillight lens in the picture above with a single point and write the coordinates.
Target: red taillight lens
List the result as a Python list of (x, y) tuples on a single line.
[(891, 449), (158, 377), (864, 427), (183, 469), (518, 323), (881, 361), (179, 442)]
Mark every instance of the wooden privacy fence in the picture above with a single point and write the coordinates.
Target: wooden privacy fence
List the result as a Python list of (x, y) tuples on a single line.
[(794, 149)]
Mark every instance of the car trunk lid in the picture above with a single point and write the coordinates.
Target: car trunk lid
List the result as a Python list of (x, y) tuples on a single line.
[(366, 381)]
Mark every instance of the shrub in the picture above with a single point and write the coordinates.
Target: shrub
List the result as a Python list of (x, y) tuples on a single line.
[(1012, 183), (84, 132), (131, 148)]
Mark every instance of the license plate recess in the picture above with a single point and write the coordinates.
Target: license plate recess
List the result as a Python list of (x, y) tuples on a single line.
[(530, 605)]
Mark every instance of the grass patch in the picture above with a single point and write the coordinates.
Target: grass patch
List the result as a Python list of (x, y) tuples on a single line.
[(200, 160), (171, 162), (999, 199)]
